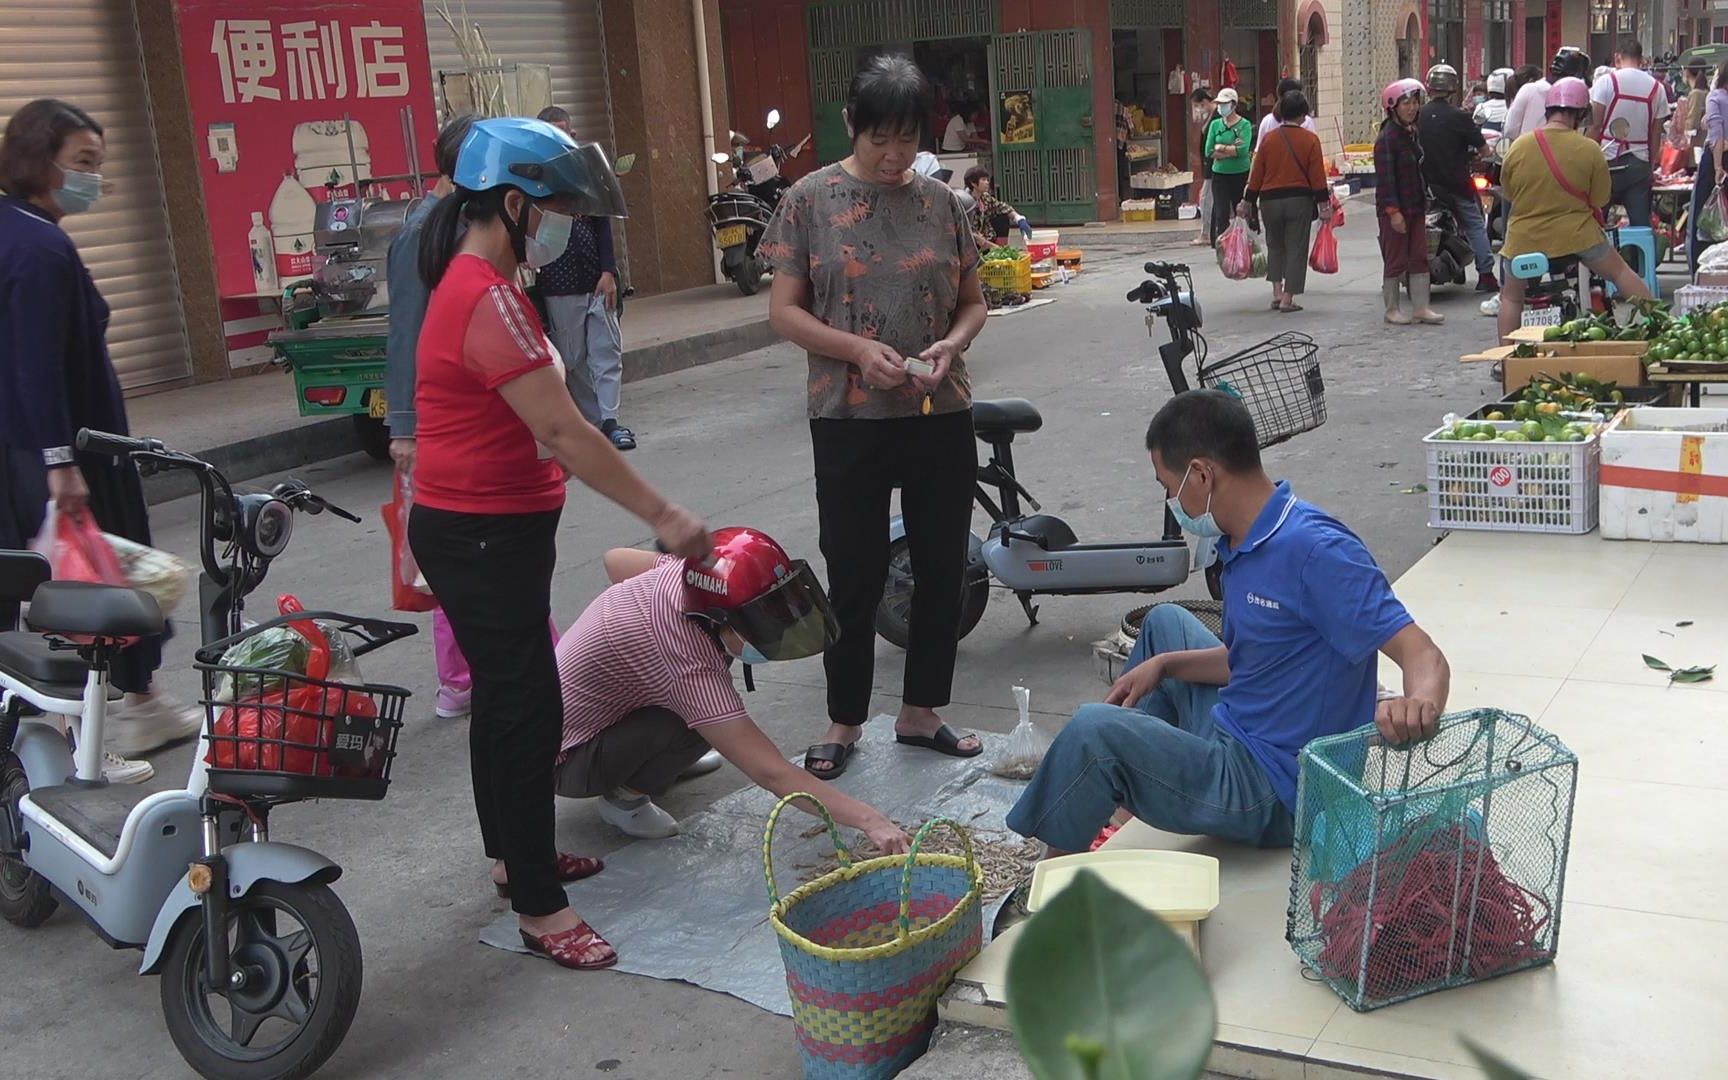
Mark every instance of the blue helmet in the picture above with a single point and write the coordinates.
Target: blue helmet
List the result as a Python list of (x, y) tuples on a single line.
[(543, 162)]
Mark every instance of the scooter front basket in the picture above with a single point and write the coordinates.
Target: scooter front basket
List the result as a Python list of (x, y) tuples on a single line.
[(1279, 382)]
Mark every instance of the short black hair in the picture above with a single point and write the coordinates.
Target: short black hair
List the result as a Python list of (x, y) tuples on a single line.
[(1632, 47), (975, 174), (1200, 94), (1204, 424), (1293, 106), (33, 139), (890, 96), (449, 144), (552, 114), (1287, 85)]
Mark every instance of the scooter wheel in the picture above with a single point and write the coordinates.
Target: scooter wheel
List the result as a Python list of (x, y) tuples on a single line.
[(374, 437), (25, 897), (749, 279), (299, 954), (894, 610)]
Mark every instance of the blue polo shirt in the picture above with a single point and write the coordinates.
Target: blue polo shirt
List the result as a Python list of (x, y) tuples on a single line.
[(1306, 609)]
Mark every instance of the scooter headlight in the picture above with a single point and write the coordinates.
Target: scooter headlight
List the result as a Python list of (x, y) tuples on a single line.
[(266, 525)]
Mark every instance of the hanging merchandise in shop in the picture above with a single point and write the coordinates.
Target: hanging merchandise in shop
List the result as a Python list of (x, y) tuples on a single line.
[(295, 104)]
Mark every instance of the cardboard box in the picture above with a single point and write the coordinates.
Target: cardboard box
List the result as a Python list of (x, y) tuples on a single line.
[(1622, 370), (1665, 476), (1533, 336), (1710, 277)]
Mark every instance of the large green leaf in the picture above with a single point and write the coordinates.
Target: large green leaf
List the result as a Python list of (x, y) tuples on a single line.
[(1100, 989)]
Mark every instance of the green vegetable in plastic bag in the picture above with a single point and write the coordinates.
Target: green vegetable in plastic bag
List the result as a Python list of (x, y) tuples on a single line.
[(1712, 225), (280, 648)]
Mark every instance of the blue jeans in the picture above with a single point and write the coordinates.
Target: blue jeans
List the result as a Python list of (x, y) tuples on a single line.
[(1703, 186), (1468, 210), (1164, 759)]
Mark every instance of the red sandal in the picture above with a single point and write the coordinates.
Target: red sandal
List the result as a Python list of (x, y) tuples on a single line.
[(580, 948), (570, 868)]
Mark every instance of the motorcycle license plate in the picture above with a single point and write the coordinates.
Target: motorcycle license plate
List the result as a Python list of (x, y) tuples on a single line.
[(730, 236), (377, 407), (1547, 316)]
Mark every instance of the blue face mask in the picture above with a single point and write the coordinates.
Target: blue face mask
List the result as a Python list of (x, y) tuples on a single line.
[(750, 654), (550, 240), (78, 191), (1204, 525)]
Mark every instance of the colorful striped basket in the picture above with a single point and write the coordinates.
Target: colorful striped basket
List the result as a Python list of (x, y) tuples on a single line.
[(869, 947)]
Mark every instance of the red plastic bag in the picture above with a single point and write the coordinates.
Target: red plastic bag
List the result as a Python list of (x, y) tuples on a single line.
[(1323, 259), (76, 550), (407, 592), (1337, 212), (1236, 251)]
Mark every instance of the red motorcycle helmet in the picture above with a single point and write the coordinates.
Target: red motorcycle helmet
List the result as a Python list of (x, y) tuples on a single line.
[(752, 587)]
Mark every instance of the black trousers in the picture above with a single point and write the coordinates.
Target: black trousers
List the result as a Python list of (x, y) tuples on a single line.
[(1227, 191), (493, 575), (934, 462)]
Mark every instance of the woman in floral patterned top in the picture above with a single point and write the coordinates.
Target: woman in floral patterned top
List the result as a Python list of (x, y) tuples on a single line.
[(991, 217), (876, 276)]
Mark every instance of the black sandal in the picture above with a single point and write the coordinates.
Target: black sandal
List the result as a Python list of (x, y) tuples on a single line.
[(838, 756), (622, 437), (945, 741)]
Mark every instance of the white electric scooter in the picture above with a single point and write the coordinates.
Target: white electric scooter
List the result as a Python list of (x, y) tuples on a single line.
[(259, 961), (1039, 554)]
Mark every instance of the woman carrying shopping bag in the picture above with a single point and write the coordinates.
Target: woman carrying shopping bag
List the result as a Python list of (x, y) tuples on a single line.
[(1401, 203), (497, 434), (1287, 189), (1714, 126), (1229, 141), (56, 377)]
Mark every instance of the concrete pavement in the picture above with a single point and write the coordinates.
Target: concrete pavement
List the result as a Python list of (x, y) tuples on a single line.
[(728, 439)]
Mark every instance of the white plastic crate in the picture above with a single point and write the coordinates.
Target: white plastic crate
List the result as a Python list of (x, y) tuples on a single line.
[(1545, 487), (1688, 297), (1665, 476)]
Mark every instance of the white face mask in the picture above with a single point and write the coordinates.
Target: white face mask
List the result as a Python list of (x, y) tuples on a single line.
[(550, 240)]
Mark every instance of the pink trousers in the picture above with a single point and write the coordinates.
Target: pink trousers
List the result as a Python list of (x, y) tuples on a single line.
[(453, 673)]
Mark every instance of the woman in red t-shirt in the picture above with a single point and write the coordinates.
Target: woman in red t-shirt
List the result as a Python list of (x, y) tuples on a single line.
[(498, 433)]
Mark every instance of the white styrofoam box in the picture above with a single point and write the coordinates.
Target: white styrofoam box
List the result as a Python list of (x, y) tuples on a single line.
[(1545, 487), (1665, 476)]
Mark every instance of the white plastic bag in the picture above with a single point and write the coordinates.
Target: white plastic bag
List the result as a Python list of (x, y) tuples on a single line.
[(1017, 756), (162, 574)]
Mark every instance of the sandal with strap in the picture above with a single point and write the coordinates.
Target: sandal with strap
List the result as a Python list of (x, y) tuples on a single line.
[(622, 437), (579, 948), (570, 868)]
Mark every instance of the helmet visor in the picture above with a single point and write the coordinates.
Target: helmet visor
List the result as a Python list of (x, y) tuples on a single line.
[(790, 621), (583, 183)]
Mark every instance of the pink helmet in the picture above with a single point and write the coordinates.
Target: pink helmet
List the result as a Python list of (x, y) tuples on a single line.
[(1398, 91), (1568, 93)]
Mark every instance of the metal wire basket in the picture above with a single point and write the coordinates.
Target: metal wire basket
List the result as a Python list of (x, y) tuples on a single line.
[(280, 736), (1279, 381), (1431, 865)]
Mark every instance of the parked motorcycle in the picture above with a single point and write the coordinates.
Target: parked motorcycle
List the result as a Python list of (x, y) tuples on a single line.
[(1037, 554), (259, 961), (740, 214), (1449, 254)]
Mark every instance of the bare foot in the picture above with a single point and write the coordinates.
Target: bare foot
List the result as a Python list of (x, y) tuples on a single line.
[(914, 720), (845, 735)]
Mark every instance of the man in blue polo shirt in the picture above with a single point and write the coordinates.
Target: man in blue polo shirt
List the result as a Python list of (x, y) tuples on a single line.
[(1200, 736)]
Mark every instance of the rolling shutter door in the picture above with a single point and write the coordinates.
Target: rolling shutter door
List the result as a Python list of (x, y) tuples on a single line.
[(86, 52), (564, 35)]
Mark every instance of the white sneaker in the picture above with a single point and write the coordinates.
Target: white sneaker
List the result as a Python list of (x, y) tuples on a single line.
[(119, 770), (146, 722), (643, 820), (1491, 306), (702, 766)]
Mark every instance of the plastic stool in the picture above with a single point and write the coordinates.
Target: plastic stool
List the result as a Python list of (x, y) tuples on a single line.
[(1644, 241)]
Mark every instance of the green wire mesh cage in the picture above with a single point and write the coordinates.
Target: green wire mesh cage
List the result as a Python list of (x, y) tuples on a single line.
[(1431, 865)]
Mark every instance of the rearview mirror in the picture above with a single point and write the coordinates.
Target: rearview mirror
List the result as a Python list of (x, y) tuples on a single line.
[(773, 119), (624, 164)]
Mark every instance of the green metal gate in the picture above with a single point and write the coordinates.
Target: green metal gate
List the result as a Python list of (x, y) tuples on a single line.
[(841, 31), (1052, 176)]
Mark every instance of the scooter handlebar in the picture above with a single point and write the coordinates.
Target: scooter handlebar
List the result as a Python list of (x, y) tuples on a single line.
[(105, 442)]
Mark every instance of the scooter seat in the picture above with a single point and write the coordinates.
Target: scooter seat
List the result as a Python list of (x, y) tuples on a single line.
[(52, 673), (86, 610), (1005, 415)]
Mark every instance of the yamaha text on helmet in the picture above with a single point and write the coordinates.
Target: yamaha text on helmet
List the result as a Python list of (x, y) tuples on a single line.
[(749, 585), (1570, 62), (1442, 80)]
